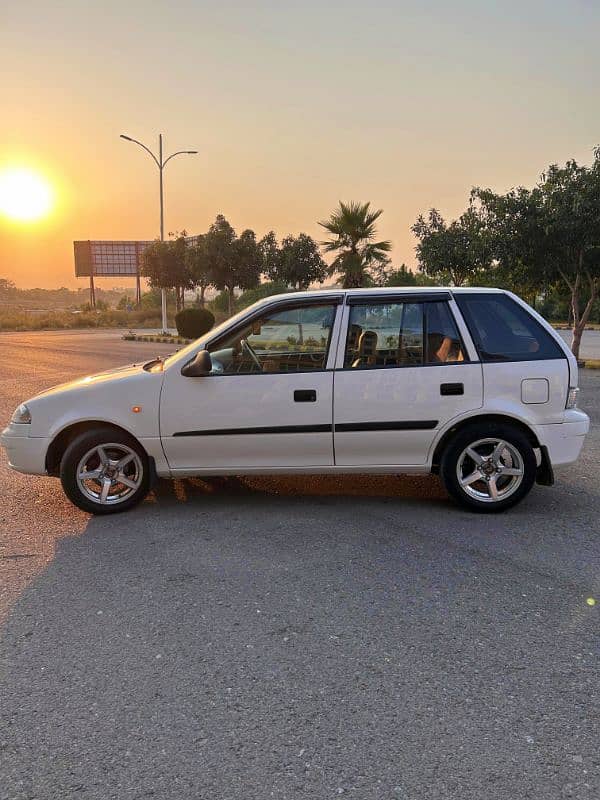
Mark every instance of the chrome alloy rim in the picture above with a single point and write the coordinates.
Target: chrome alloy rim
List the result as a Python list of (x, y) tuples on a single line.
[(490, 470), (110, 473)]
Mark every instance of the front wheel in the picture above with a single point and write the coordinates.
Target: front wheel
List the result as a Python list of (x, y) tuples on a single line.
[(104, 471), (489, 468)]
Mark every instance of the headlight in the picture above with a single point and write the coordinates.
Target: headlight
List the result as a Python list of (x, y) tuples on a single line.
[(572, 397), (22, 415)]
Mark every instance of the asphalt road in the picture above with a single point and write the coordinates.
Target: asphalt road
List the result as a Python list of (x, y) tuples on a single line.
[(590, 343), (294, 638)]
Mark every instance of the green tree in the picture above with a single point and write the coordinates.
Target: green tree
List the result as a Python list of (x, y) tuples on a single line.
[(550, 235), (403, 276), (198, 264), (353, 229), (453, 253), (233, 262), (297, 263), (270, 255), (165, 266), (572, 203)]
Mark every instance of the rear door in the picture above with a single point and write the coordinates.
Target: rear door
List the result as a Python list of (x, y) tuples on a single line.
[(526, 371), (403, 371)]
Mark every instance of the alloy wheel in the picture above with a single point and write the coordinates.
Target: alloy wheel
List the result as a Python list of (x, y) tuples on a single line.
[(490, 470), (110, 473)]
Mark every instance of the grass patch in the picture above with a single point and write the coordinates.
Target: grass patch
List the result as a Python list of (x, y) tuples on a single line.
[(13, 320)]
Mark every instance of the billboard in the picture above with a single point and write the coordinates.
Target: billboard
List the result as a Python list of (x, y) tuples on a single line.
[(108, 258), (111, 259)]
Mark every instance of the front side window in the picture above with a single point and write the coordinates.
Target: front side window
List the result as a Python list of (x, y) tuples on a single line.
[(401, 334), (286, 340), (503, 330)]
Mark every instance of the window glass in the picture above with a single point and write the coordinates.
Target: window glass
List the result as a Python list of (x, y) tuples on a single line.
[(290, 340), (442, 340), (401, 335), (502, 330)]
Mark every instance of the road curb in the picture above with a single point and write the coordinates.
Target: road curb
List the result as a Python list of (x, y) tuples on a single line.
[(141, 337)]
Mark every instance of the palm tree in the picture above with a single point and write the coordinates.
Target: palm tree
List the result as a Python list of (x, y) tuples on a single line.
[(353, 227)]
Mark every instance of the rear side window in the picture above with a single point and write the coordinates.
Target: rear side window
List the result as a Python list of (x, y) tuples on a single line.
[(502, 330), (401, 334)]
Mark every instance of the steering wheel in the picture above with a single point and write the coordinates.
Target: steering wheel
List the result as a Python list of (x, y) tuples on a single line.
[(248, 348)]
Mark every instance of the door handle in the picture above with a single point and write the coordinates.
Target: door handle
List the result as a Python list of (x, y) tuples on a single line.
[(305, 396), (452, 388)]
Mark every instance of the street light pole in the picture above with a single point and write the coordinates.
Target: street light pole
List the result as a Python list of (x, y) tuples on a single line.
[(161, 164)]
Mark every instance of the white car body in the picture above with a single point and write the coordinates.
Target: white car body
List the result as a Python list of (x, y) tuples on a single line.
[(379, 420)]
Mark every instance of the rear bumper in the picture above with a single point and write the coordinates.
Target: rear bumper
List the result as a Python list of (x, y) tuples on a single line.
[(564, 440), (25, 454)]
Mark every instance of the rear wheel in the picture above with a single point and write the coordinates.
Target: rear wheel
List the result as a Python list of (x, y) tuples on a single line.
[(489, 468), (104, 471)]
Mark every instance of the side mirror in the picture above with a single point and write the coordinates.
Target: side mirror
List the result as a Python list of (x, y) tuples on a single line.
[(199, 366)]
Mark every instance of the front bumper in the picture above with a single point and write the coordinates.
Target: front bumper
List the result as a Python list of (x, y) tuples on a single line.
[(25, 454), (564, 440)]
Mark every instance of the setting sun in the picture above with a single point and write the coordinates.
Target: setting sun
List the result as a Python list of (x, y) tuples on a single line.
[(25, 195)]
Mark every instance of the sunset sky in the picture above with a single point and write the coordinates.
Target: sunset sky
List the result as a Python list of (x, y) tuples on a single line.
[(293, 106)]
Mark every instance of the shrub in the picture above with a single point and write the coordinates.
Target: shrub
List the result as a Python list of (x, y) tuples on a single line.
[(194, 322)]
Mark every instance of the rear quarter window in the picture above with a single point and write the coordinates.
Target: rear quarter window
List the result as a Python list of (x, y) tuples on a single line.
[(503, 330)]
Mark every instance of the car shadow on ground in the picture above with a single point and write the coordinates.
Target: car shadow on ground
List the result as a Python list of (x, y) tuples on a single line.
[(401, 486)]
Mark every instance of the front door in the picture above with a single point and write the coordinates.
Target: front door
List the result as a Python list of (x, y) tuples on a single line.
[(266, 404), (404, 374)]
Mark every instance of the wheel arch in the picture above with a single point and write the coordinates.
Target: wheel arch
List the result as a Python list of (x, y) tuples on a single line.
[(64, 437), (478, 419)]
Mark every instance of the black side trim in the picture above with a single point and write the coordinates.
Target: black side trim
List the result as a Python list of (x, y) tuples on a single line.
[(402, 425), (243, 431), (395, 297), (344, 427)]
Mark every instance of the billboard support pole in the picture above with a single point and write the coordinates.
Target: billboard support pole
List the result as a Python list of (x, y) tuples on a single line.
[(92, 290), (138, 288)]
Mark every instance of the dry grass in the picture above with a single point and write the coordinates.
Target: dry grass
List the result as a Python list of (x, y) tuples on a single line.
[(11, 320)]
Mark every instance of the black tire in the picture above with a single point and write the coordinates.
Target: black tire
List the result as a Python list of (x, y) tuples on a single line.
[(98, 437), (473, 434)]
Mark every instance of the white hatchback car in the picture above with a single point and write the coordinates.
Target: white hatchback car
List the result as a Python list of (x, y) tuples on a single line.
[(468, 383)]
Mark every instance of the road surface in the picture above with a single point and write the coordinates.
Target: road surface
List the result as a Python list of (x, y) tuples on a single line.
[(305, 638), (590, 343)]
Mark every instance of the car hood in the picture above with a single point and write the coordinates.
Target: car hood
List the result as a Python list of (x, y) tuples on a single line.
[(115, 374)]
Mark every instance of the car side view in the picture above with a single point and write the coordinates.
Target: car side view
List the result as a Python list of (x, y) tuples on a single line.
[(471, 384)]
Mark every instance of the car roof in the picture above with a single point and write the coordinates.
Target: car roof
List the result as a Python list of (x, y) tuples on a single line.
[(335, 291), (418, 289)]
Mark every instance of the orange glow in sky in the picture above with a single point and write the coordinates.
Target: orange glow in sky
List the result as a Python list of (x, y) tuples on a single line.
[(292, 107)]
